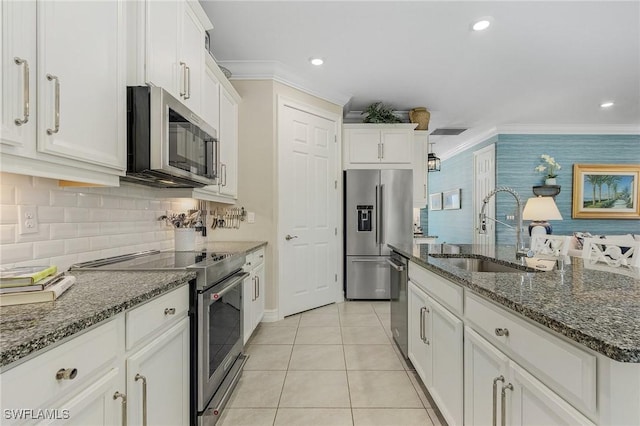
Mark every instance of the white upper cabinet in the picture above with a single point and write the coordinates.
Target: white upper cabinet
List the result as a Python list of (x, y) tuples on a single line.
[(420, 169), (166, 48), (228, 138), (64, 90), (378, 146)]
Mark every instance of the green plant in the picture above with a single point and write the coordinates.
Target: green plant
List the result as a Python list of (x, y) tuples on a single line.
[(378, 113)]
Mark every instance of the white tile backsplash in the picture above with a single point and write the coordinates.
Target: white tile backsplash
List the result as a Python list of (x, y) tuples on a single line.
[(80, 224)]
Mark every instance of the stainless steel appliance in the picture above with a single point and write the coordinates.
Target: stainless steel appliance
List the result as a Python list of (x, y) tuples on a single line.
[(168, 146), (378, 211), (399, 279), (216, 320)]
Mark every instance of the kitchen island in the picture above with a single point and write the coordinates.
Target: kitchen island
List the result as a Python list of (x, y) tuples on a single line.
[(565, 342)]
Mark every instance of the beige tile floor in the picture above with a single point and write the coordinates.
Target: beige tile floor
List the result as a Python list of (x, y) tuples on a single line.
[(332, 366)]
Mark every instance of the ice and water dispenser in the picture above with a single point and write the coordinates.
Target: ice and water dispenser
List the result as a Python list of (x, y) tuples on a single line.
[(365, 217)]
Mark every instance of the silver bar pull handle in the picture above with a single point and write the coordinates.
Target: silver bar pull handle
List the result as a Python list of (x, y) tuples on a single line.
[(188, 90), (382, 150), (422, 311), (426, 312), (503, 402), (169, 311), (66, 374), (289, 237), (381, 215), (495, 399), (395, 265), (25, 91), (379, 150), (183, 92), (56, 127), (144, 397), (258, 286), (124, 406)]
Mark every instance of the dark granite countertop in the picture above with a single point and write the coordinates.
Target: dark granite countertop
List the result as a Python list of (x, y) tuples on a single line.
[(95, 297), (597, 308)]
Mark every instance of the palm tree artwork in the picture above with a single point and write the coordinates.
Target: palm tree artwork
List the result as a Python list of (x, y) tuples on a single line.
[(616, 192)]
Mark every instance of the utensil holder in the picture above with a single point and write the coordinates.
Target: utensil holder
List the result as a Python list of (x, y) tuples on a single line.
[(185, 239)]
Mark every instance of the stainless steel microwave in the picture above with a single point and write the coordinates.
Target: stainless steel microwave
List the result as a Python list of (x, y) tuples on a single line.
[(168, 146)]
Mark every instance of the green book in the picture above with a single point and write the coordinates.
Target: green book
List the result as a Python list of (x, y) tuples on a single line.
[(24, 275)]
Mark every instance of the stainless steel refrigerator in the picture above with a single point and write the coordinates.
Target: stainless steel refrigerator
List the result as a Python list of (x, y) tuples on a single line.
[(378, 210)]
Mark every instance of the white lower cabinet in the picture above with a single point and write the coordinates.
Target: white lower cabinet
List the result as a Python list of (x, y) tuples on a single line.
[(158, 379), (499, 391), (253, 294), (436, 350), (91, 379)]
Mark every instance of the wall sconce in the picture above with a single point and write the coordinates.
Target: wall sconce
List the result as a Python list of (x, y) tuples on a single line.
[(539, 210), (433, 162)]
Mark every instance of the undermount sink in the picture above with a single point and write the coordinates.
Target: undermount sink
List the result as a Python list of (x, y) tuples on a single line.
[(473, 264)]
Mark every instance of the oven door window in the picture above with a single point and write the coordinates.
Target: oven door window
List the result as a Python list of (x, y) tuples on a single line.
[(190, 148), (224, 327)]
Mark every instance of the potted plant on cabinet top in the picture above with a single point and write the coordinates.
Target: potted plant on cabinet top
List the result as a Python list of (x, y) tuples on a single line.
[(378, 113)]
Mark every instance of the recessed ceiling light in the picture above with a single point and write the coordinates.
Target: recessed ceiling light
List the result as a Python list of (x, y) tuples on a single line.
[(316, 61), (481, 25), (606, 104)]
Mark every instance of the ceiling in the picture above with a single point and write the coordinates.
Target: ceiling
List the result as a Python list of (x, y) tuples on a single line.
[(540, 65)]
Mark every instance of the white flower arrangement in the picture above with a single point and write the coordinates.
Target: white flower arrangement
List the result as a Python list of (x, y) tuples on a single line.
[(550, 167)]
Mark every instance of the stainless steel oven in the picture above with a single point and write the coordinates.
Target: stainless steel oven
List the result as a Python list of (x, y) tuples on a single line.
[(219, 348)]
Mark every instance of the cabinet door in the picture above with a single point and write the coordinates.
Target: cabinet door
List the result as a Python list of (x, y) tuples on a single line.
[(17, 71), (531, 403), (419, 170), (248, 288), (192, 55), (164, 363), (162, 44), (446, 336), (419, 332), (258, 304), (228, 137), (211, 99), (485, 367), (94, 405), (396, 146), (364, 145), (81, 81)]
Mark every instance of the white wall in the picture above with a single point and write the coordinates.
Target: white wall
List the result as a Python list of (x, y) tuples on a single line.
[(80, 224)]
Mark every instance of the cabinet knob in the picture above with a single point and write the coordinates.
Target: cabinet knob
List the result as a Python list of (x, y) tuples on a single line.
[(169, 311), (502, 332), (66, 374)]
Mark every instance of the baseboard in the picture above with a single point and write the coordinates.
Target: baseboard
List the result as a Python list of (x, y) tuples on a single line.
[(270, 315)]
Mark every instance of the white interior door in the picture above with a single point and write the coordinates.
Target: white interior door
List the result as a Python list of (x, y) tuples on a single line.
[(308, 262), (484, 178)]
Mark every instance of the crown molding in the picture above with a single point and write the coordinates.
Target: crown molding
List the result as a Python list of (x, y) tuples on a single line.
[(476, 139), (570, 129), (277, 71)]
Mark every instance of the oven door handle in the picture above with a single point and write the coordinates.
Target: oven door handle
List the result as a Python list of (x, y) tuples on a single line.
[(238, 277)]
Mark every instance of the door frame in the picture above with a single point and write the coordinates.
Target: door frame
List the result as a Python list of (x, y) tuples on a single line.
[(281, 103), (477, 206)]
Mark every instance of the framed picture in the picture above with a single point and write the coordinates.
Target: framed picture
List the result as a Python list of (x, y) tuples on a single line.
[(435, 201), (606, 191), (451, 199)]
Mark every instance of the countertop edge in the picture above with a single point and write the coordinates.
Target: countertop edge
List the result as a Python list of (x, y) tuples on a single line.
[(600, 346)]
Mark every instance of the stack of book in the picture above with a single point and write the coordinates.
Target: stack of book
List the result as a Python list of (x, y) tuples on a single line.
[(32, 284)]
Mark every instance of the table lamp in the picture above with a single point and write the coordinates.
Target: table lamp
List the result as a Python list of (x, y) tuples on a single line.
[(539, 210)]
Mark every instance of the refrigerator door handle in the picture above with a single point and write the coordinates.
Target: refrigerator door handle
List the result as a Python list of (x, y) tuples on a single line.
[(381, 214), (377, 216)]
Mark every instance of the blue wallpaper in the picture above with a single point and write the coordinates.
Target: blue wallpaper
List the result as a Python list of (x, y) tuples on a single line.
[(516, 158)]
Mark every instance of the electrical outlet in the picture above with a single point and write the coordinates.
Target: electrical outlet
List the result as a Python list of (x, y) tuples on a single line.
[(27, 220), (251, 217), (511, 217)]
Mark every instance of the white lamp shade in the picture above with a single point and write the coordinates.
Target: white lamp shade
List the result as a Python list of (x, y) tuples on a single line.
[(541, 208)]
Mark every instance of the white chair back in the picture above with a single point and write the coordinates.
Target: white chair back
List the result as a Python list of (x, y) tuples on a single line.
[(613, 251), (550, 245)]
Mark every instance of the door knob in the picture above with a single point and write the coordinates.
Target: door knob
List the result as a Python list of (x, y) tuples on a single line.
[(289, 237)]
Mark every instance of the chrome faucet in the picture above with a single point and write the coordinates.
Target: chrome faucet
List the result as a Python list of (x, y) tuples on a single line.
[(520, 249)]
